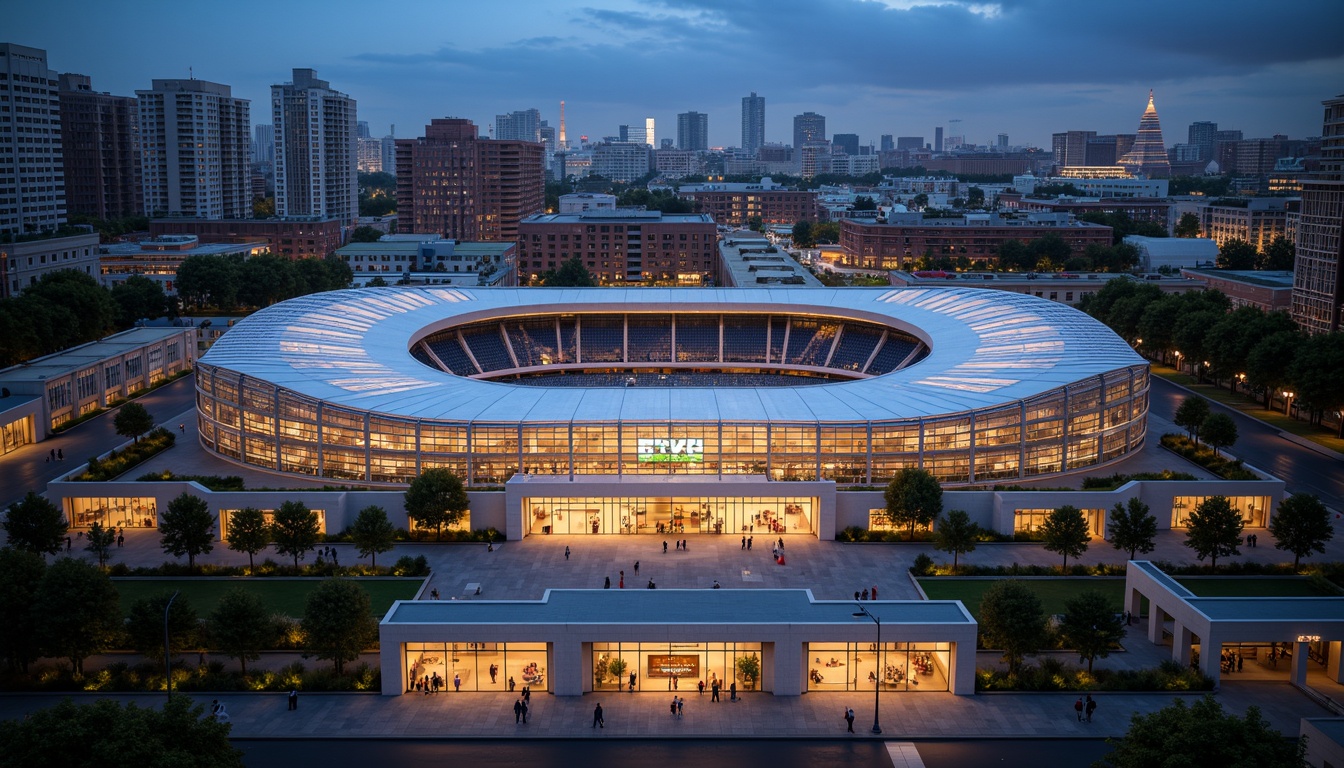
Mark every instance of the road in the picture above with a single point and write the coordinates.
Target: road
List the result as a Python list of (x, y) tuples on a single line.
[(661, 754), (28, 469), (1258, 444)]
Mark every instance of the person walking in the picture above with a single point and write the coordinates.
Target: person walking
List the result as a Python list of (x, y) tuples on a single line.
[(849, 719), (182, 427), (566, 551), (732, 691), (512, 684), (744, 542), (1078, 708), (714, 690), (865, 594), (701, 686), (494, 670), (664, 548), (457, 683), (749, 540), (606, 583), (597, 717), (673, 707), (621, 585), (517, 711), (293, 699), (681, 705), (874, 591), (1090, 708), (632, 682), (523, 701), (637, 562)]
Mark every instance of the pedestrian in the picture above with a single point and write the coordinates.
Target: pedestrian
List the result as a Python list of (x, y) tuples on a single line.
[(652, 585), (621, 585), (607, 583), (874, 591), (749, 540), (434, 594), (632, 682), (744, 542), (1240, 659), (683, 545), (1078, 708), (597, 716), (121, 540), (714, 689), (60, 455), (457, 683), (637, 562), (52, 457), (701, 685), (182, 427), (517, 711), (681, 704), (293, 699), (865, 593), (676, 682), (527, 694), (524, 702), (1091, 707), (68, 543), (664, 549), (716, 584), (781, 542), (512, 684), (856, 595), (849, 719), (566, 552), (732, 691), (494, 670), (673, 707)]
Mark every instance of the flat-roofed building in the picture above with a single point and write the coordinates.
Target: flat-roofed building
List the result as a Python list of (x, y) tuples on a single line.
[(737, 204), (1173, 252), (1271, 291), (293, 238), (159, 258), (578, 202), (23, 264), (749, 260), (100, 137), (622, 246), (1258, 221), (430, 260), (906, 237)]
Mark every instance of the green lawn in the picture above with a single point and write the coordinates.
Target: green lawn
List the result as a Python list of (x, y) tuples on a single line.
[(1053, 592), (1271, 586), (283, 596)]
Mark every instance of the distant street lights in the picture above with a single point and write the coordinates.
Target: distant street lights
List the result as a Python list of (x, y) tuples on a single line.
[(1287, 402), (877, 685)]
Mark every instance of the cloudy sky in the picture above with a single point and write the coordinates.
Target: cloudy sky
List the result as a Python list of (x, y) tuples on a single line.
[(1021, 67)]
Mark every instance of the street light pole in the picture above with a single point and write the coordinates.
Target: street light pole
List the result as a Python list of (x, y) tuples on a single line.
[(167, 659), (877, 685)]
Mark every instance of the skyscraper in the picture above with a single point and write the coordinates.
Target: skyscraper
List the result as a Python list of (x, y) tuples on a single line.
[(910, 143), (363, 129), (1003, 142), (523, 125), (100, 136), (847, 141), (316, 159), (693, 131), (1070, 147), (1203, 134), (639, 133), (1148, 157), (938, 139), (452, 183), (263, 144), (808, 128), (32, 186), (194, 150), (888, 143), (1318, 281), (753, 123)]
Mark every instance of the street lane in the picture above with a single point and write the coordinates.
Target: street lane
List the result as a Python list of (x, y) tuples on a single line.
[(1259, 444)]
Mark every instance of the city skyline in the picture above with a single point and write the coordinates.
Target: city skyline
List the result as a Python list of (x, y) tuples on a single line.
[(616, 61)]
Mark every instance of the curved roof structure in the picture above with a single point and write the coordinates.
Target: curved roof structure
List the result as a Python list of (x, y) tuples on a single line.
[(352, 349)]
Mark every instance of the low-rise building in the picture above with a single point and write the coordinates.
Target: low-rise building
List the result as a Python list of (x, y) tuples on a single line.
[(1100, 185), (292, 238), (1145, 209), (906, 237), (23, 264), (750, 259), (159, 258), (430, 260), (736, 205), (1271, 291), (1257, 221), (622, 246), (579, 202), (1156, 253), (1064, 287)]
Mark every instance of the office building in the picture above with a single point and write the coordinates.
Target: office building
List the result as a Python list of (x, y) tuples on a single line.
[(522, 125), (263, 144), (808, 128), (1148, 156), (194, 138), (622, 161), (32, 185), (1259, 221), (362, 129), (1070, 147), (736, 204), (848, 142), (454, 184), (23, 264), (100, 136), (1318, 281), (938, 139), (693, 131), (639, 133), (909, 143), (886, 143), (1003, 142), (908, 237), (1203, 134), (315, 150), (753, 123), (622, 246)]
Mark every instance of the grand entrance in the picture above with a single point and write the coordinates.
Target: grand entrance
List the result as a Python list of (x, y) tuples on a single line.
[(671, 515)]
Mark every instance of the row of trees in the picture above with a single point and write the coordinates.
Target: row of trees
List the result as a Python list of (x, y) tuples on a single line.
[(227, 283), (1246, 346)]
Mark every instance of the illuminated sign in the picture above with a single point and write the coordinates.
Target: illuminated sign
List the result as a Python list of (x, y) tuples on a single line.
[(1308, 638), (690, 450), (674, 666)]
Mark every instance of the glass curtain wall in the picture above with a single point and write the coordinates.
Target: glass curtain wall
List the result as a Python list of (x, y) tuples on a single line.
[(15, 434), (859, 667), (671, 515), (1252, 509), (493, 667), (676, 666), (112, 511)]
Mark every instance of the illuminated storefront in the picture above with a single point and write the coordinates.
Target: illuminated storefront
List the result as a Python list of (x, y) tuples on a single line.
[(859, 667), (471, 666), (112, 511), (675, 666), (671, 515)]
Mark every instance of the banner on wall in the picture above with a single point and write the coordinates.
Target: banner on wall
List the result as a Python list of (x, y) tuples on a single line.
[(674, 666), (689, 450)]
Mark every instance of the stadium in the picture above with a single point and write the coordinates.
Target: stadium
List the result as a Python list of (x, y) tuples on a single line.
[(654, 410)]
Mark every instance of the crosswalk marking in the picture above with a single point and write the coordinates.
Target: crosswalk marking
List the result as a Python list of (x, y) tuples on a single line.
[(904, 754)]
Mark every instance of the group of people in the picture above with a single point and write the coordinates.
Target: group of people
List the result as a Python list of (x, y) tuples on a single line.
[(678, 704), (867, 594), (681, 545), (1084, 710), (1232, 661), (520, 707), (329, 553)]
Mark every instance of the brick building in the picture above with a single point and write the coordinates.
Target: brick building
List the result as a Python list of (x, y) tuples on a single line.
[(737, 204), (1137, 209), (100, 137), (907, 237), (622, 246), (453, 183), (291, 238)]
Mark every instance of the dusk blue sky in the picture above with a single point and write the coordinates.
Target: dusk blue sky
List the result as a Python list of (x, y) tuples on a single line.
[(1023, 67)]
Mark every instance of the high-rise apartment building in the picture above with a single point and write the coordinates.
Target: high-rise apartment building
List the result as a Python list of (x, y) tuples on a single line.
[(693, 131), (32, 186), (263, 144), (389, 147), (100, 137), (622, 161), (753, 123), (1148, 157), (453, 183), (1070, 147), (1318, 281), (1003, 142), (808, 128), (523, 125), (849, 142), (316, 162), (369, 152), (194, 149)]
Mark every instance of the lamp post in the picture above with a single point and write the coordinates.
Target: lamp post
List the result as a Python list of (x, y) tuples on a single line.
[(877, 685), (1287, 403), (167, 659)]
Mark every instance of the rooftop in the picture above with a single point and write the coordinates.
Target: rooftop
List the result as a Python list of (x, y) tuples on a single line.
[(1266, 279), (84, 355)]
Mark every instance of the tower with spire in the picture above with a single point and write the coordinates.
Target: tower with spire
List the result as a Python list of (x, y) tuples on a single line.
[(1148, 156)]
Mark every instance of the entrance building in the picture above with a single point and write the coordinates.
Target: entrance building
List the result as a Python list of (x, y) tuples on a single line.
[(779, 641)]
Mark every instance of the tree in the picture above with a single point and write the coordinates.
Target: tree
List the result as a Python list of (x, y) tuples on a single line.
[(1203, 734), (373, 533), (570, 274), (802, 234), (20, 577), (138, 298), (35, 525), (264, 207), (755, 224), (240, 626), (366, 235), (1132, 528), (436, 498), (1188, 226), (1219, 431), (338, 622), (1301, 526), (1091, 626), (187, 528), (864, 203), (913, 498), (1237, 254), (87, 619), (376, 282), (1279, 256), (107, 734), (145, 625), (1014, 256), (90, 304), (1065, 533), (295, 530), (1011, 618), (133, 420), (210, 281), (1191, 414), (1214, 530), (1315, 375), (955, 534), (1269, 361), (101, 540), (248, 532)]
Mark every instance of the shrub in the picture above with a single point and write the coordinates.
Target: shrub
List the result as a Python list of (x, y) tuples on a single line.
[(411, 566), (1055, 675), (923, 565), (117, 462), (214, 677), (212, 482), (1207, 458)]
